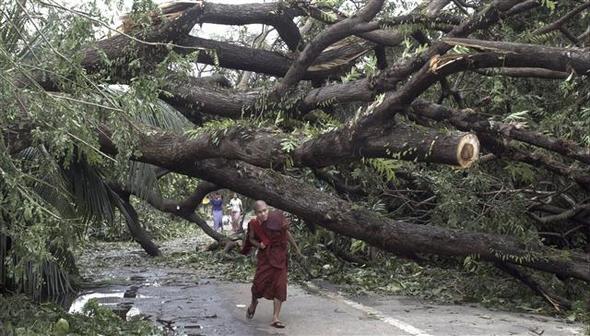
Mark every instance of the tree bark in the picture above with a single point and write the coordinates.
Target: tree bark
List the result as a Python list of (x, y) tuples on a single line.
[(264, 148), (345, 218), (466, 121), (557, 302), (137, 232), (342, 217)]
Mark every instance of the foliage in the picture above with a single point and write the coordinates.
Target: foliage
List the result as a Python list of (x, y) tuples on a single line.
[(164, 226), (445, 281), (56, 191), (21, 316)]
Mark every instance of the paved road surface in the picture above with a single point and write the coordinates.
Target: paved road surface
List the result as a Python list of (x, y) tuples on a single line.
[(211, 307), (187, 303)]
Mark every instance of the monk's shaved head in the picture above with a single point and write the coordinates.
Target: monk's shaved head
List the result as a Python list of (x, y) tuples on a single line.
[(261, 210), (260, 204)]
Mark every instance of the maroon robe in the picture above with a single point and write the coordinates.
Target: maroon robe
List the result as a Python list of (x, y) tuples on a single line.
[(270, 280)]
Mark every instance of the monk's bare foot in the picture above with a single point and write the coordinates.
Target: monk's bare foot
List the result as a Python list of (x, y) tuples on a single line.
[(250, 311), (277, 324)]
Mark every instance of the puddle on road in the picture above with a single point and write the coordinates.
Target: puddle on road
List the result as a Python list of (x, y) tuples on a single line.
[(78, 304), (117, 301)]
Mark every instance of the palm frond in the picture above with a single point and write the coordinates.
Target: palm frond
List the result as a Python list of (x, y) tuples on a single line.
[(163, 116), (50, 183), (90, 191), (142, 179)]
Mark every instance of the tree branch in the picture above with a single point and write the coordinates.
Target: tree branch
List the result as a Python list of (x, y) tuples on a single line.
[(344, 218), (557, 302), (524, 72), (184, 209), (272, 14), (562, 20), (264, 147), (466, 121), (327, 37)]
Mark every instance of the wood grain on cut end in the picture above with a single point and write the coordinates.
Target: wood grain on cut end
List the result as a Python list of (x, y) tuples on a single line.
[(467, 150)]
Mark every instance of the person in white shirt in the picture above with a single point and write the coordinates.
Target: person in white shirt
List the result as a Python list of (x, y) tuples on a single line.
[(236, 210)]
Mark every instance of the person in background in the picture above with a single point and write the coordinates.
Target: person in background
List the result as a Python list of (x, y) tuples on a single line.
[(236, 210), (217, 211), (269, 232)]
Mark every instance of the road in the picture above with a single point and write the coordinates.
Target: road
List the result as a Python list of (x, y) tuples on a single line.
[(184, 302)]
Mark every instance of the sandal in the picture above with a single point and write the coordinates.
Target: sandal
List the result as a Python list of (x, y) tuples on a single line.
[(277, 324)]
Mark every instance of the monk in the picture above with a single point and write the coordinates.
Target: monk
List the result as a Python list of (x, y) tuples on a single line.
[(269, 232)]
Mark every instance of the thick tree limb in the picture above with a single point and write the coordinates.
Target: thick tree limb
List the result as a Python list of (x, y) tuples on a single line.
[(137, 232), (524, 72), (557, 302), (327, 37), (566, 214), (582, 177), (378, 36), (339, 216), (329, 64), (399, 141), (558, 59), (581, 217), (263, 148), (272, 14), (185, 208), (492, 141), (522, 6), (117, 46), (466, 121), (191, 99), (441, 66)]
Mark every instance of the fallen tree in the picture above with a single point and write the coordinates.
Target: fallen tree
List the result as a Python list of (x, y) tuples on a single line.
[(331, 97), (343, 217)]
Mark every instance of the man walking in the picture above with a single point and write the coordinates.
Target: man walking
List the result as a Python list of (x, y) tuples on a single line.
[(269, 232), (236, 210)]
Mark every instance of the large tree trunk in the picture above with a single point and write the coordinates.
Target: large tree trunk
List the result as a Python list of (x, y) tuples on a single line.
[(264, 147), (343, 217), (373, 134)]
